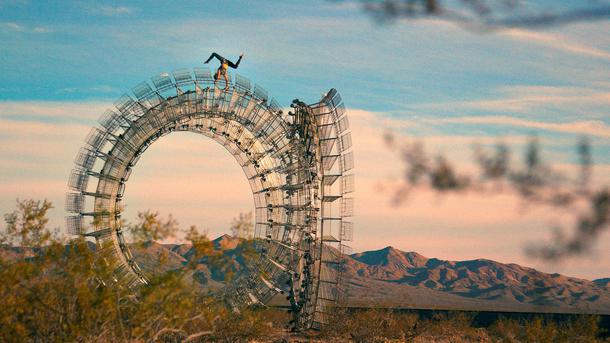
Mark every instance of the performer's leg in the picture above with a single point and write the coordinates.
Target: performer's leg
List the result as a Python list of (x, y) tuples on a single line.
[(235, 65), (214, 55)]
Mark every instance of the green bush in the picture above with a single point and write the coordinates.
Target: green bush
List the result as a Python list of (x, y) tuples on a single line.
[(53, 292)]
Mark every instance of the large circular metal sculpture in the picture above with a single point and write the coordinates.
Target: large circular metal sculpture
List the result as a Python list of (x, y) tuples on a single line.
[(297, 164)]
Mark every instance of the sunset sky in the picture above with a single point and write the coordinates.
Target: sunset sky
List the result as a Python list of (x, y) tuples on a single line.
[(63, 63)]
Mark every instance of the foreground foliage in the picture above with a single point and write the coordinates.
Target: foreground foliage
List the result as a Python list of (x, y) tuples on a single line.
[(52, 290), (383, 325)]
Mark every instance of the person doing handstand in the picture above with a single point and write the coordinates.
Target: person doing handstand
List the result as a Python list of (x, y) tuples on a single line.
[(224, 65)]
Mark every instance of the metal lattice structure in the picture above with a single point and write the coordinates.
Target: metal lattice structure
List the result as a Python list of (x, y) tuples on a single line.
[(297, 163)]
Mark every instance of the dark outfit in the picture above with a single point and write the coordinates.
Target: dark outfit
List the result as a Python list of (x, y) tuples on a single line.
[(224, 60), (224, 65)]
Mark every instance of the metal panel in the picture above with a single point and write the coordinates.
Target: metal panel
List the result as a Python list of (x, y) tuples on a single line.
[(75, 225), (75, 202), (347, 207), (128, 107), (142, 90), (347, 183), (202, 75), (85, 159), (182, 77), (96, 138), (326, 147), (274, 107), (162, 82), (345, 142), (78, 180), (326, 131), (345, 249), (242, 83), (329, 180), (111, 121), (347, 231), (329, 161), (260, 93), (347, 162), (343, 124)]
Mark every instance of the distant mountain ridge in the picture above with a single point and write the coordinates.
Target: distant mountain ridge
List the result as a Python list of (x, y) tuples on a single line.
[(492, 284), (603, 282), (394, 278)]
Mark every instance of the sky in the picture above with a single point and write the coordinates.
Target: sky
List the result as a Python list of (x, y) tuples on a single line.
[(63, 63)]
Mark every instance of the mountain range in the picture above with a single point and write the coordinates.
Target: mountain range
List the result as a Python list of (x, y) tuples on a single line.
[(408, 279), (390, 277)]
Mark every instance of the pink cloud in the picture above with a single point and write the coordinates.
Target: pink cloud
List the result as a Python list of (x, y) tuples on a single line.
[(555, 41), (88, 110), (193, 178)]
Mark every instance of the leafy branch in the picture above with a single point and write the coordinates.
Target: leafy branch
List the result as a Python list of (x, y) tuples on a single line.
[(535, 182)]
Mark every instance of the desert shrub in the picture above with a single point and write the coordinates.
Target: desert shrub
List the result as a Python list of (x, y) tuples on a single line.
[(370, 325), (506, 330), (542, 329), (245, 326), (539, 330), (452, 326), (584, 328), (54, 291)]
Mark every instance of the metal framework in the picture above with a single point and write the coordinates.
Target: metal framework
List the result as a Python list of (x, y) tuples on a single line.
[(298, 165)]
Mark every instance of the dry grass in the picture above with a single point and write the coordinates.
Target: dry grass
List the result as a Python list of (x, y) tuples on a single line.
[(383, 325)]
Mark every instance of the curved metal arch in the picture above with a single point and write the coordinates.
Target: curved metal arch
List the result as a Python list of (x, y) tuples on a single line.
[(289, 160)]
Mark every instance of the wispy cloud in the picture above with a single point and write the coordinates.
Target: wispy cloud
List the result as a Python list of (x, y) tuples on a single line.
[(587, 127), (108, 10), (557, 42), (534, 100), (17, 27), (112, 10), (40, 29), (13, 26), (524, 102), (94, 89)]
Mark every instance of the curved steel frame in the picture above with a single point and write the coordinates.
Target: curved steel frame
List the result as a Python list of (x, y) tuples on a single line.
[(297, 165)]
